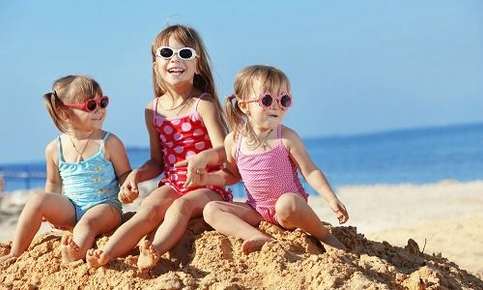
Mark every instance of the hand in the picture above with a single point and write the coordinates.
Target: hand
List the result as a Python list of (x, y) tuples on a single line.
[(129, 189), (195, 170), (339, 209)]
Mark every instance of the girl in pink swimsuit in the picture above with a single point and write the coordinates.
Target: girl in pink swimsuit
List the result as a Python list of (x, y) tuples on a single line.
[(267, 156), (183, 119)]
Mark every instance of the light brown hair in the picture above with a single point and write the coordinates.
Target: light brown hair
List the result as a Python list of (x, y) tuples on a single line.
[(68, 90), (269, 78), (203, 80)]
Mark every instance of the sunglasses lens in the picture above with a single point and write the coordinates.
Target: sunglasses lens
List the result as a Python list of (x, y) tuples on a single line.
[(185, 53), (166, 52), (104, 102), (285, 101), (91, 105), (267, 100)]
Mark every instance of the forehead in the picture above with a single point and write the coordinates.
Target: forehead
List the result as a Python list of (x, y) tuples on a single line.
[(175, 43), (263, 86), (174, 40)]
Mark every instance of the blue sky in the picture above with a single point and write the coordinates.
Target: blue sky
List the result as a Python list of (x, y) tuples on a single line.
[(355, 66)]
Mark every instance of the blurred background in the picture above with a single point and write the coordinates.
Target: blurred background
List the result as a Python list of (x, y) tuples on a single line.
[(385, 91)]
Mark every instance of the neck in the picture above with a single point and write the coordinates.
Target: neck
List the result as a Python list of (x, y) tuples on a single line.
[(261, 132), (182, 91), (81, 134)]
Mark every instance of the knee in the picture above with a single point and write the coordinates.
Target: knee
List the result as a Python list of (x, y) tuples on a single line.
[(181, 206), (210, 211), (153, 213), (287, 207), (87, 223), (36, 202)]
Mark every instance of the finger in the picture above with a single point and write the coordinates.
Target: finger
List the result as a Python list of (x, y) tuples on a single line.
[(122, 194), (133, 186), (191, 180), (346, 214), (181, 163), (344, 218)]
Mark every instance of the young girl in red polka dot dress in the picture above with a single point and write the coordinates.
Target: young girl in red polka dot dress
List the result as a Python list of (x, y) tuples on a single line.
[(184, 119), (266, 156)]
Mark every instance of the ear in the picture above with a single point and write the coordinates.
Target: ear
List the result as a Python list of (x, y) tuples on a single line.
[(244, 108), (64, 115)]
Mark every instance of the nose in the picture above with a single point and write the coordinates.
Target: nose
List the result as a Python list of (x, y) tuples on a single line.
[(276, 105), (175, 57)]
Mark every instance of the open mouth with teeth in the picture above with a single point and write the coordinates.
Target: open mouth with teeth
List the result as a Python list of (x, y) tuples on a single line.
[(175, 70)]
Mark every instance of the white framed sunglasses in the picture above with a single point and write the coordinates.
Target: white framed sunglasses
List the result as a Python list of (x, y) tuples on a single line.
[(184, 53)]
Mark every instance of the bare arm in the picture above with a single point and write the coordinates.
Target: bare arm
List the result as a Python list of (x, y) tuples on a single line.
[(154, 166), (211, 119), (53, 182), (196, 165), (150, 169), (116, 153), (227, 175), (312, 173)]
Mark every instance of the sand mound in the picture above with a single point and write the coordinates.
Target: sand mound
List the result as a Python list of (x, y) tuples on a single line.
[(206, 259)]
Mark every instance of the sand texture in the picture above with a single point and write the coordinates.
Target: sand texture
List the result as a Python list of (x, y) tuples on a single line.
[(205, 259)]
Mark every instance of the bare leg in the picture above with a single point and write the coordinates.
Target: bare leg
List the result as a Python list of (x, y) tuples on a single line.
[(99, 219), (292, 211), (238, 220), (174, 225), (125, 238), (54, 207)]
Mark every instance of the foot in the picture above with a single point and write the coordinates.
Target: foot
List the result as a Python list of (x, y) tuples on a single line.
[(69, 249), (96, 258), (253, 245), (148, 256)]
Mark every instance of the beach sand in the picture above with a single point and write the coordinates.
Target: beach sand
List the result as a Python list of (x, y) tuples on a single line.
[(446, 214)]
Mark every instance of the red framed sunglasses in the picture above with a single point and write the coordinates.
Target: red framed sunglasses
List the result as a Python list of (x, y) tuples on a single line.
[(266, 100), (90, 105)]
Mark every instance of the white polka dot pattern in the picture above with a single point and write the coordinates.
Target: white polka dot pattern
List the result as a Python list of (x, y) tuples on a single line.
[(181, 138), (186, 127)]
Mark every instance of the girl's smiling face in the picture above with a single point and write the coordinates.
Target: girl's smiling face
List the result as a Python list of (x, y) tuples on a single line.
[(176, 71)]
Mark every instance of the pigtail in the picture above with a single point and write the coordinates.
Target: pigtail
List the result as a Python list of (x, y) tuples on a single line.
[(234, 115), (54, 106)]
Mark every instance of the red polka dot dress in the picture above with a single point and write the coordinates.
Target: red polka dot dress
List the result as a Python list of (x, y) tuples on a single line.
[(182, 137)]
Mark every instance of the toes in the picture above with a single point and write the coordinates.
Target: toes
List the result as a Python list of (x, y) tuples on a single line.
[(64, 240), (144, 246), (90, 253), (73, 245)]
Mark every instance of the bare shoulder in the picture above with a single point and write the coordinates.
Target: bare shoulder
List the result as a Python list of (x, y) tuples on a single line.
[(51, 150), (112, 138), (206, 103), (113, 142), (290, 138), (290, 134), (150, 104), (230, 143)]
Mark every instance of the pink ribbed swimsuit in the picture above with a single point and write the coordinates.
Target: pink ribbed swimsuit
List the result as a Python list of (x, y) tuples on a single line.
[(267, 176)]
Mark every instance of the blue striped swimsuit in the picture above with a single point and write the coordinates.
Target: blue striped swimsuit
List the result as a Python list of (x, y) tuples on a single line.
[(89, 182)]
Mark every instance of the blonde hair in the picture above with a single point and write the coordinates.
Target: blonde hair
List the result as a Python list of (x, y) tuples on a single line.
[(270, 79), (68, 90), (203, 80)]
